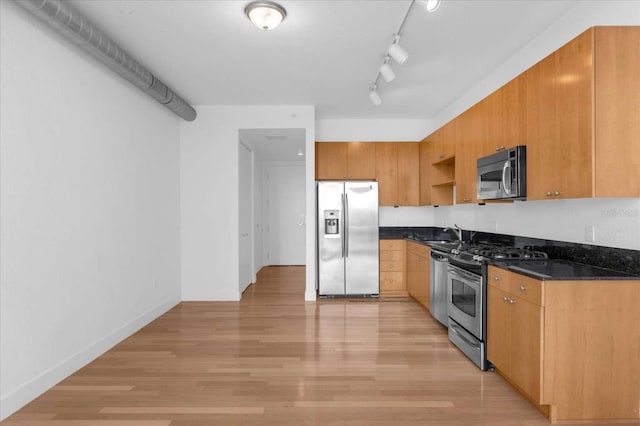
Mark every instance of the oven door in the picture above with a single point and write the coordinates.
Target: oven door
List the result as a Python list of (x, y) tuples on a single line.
[(465, 303)]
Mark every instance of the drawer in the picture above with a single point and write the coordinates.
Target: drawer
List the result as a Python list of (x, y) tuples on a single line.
[(391, 266), (519, 285), (417, 263), (392, 281), (392, 244), (387, 255), (419, 249)]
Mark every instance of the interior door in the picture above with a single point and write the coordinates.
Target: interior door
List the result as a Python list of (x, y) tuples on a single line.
[(245, 197), (286, 215)]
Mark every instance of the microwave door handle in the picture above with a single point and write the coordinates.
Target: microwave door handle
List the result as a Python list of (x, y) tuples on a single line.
[(507, 188)]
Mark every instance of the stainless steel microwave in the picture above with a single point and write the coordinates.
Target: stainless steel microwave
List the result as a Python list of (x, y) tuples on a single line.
[(503, 175)]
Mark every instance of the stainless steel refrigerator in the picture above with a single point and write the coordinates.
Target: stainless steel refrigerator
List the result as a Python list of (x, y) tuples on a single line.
[(348, 238)]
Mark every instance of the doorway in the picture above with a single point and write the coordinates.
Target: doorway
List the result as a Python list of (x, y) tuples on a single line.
[(272, 222), (245, 213), (285, 211)]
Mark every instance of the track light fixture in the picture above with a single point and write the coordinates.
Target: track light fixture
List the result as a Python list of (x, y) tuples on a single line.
[(396, 52), (374, 96), (386, 71)]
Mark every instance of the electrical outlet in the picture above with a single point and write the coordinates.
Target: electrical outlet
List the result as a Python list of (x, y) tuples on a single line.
[(155, 282), (494, 226), (590, 233)]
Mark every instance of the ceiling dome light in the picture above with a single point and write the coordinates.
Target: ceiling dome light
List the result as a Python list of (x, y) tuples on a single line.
[(265, 15), (430, 5)]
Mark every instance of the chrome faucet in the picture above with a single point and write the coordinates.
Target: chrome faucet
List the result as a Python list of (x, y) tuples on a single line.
[(457, 230)]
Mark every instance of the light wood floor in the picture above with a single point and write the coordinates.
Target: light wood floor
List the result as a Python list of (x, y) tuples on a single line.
[(273, 359)]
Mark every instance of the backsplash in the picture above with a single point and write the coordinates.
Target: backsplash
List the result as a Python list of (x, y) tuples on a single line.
[(604, 257)]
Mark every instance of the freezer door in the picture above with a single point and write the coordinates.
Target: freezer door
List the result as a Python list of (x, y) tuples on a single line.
[(361, 236), (330, 238)]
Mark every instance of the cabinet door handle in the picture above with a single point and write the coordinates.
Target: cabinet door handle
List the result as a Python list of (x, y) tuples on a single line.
[(511, 301), (505, 298), (556, 193), (523, 288), (496, 278), (466, 200), (548, 193)]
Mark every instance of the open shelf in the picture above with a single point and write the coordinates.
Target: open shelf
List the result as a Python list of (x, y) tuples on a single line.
[(445, 183), (446, 161)]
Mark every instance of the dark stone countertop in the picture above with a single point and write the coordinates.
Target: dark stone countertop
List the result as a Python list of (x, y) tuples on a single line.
[(561, 270), (616, 260)]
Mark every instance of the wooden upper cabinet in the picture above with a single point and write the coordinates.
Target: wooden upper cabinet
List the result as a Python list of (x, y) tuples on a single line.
[(443, 140), (345, 160), (397, 173), (583, 118), (408, 174), (560, 122), (425, 172), (331, 160), (505, 117), (617, 107), (361, 160), (469, 144), (387, 173)]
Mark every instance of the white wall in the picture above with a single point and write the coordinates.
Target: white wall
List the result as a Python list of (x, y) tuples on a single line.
[(335, 130), (616, 221), (89, 209), (209, 200)]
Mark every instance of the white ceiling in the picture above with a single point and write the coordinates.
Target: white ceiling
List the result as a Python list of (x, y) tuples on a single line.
[(325, 53)]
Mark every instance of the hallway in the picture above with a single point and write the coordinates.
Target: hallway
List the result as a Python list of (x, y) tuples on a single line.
[(273, 359)]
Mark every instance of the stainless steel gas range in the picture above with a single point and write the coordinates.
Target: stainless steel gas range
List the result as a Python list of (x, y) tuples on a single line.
[(467, 294)]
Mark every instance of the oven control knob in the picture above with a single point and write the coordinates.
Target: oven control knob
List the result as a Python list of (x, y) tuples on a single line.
[(478, 257), (455, 252)]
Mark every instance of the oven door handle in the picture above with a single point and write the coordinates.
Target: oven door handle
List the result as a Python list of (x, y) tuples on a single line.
[(463, 274)]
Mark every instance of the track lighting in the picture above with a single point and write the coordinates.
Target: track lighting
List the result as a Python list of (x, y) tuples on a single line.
[(397, 52), (386, 71), (265, 15), (374, 96)]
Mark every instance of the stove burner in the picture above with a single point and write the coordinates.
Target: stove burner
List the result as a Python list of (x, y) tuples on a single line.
[(480, 252)]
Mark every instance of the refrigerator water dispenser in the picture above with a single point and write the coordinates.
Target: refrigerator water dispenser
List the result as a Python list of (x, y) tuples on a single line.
[(331, 222)]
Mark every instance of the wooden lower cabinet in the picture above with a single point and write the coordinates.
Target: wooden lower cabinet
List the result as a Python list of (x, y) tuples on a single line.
[(571, 347), (392, 268), (418, 256)]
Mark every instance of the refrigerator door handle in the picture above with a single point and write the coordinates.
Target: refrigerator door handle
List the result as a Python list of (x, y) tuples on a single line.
[(346, 225), (343, 225)]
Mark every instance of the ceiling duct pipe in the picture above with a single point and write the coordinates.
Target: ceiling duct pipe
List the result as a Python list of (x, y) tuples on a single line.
[(76, 28)]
